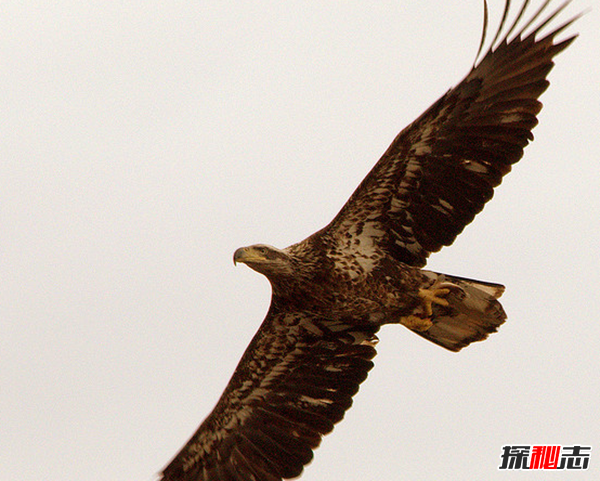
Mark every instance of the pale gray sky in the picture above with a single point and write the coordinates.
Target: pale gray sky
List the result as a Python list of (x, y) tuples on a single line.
[(143, 141)]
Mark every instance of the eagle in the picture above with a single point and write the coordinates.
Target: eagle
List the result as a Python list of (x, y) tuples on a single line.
[(333, 291)]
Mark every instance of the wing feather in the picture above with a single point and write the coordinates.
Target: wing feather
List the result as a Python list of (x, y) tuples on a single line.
[(441, 170), (294, 382)]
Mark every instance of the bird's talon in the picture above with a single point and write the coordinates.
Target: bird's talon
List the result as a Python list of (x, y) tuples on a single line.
[(433, 295), (416, 323)]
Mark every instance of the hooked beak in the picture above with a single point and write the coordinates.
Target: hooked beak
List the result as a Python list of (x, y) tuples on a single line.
[(245, 255), (238, 256)]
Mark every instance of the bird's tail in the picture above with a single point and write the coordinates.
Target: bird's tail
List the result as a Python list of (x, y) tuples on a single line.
[(472, 314)]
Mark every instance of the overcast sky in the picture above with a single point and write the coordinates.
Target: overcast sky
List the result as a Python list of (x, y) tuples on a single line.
[(142, 142)]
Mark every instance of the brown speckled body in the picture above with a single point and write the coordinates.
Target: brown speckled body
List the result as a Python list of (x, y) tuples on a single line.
[(339, 288)]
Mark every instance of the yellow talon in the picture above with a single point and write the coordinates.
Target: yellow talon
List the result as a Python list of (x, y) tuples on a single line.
[(433, 296), (416, 323)]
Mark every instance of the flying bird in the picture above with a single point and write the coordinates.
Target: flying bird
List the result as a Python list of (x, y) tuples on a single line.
[(333, 291)]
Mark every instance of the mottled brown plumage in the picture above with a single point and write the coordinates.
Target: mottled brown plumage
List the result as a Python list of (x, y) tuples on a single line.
[(332, 291)]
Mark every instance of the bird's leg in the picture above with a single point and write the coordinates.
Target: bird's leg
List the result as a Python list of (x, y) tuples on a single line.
[(416, 323), (432, 295)]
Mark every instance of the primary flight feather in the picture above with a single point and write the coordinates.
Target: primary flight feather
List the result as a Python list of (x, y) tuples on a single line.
[(332, 291)]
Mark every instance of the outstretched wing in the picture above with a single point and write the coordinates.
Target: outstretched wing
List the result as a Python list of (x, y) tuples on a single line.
[(294, 382), (441, 170)]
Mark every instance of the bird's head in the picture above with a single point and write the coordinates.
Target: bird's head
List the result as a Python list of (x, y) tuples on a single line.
[(267, 260)]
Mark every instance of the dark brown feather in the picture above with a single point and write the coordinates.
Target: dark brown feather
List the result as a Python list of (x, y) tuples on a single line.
[(441, 170), (300, 386)]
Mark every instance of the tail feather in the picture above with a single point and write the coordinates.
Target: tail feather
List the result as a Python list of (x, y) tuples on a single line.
[(472, 314)]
